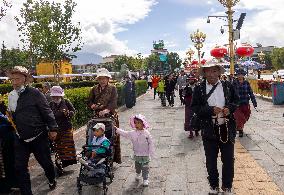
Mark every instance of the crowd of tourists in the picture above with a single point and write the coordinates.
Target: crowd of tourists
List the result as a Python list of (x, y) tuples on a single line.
[(216, 105), (37, 121)]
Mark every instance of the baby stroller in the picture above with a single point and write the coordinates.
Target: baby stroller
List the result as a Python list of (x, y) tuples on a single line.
[(100, 172)]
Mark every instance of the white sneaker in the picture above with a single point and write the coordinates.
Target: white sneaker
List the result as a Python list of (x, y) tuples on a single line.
[(227, 191), (214, 191), (137, 178), (146, 182)]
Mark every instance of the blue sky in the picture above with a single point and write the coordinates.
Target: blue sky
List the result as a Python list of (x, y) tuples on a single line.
[(130, 26), (167, 21)]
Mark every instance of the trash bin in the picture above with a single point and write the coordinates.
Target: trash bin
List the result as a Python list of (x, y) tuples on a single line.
[(277, 93)]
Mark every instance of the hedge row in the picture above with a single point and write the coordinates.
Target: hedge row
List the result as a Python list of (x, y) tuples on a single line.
[(79, 96), (6, 88)]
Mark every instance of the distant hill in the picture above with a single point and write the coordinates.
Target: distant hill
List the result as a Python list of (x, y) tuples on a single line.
[(87, 58)]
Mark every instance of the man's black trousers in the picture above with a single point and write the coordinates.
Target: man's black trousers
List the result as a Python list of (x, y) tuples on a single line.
[(212, 148), (40, 148)]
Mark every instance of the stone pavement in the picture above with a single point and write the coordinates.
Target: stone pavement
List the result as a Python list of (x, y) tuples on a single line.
[(179, 167)]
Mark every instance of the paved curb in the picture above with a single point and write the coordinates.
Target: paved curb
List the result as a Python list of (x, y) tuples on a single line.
[(265, 98), (250, 177)]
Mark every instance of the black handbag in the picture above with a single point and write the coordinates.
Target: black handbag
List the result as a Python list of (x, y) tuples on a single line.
[(195, 120)]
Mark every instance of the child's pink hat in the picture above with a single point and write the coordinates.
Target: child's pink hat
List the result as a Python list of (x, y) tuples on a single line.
[(142, 118)]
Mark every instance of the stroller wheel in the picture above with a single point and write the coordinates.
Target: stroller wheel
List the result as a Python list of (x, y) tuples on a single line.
[(79, 186), (105, 190), (111, 176)]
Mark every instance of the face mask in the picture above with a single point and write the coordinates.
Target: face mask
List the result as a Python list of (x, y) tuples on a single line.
[(21, 89), (57, 101)]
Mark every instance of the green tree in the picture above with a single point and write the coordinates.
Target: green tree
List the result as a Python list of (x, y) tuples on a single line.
[(47, 31), (277, 58), (119, 61), (4, 5), (174, 60), (152, 62), (12, 57)]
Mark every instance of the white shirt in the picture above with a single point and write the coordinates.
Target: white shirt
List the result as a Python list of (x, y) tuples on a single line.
[(12, 100), (217, 99)]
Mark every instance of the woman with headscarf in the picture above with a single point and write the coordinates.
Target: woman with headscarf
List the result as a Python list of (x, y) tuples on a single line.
[(103, 101), (65, 153)]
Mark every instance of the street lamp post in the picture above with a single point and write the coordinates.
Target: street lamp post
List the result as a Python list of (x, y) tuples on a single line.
[(229, 4), (261, 57), (198, 39), (190, 53)]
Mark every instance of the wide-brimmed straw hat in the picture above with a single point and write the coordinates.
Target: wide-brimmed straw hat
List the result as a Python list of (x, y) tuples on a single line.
[(209, 64), (56, 91), (20, 70), (103, 72), (140, 117)]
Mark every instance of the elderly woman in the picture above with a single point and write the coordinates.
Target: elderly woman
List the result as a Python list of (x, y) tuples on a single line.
[(64, 143), (103, 101)]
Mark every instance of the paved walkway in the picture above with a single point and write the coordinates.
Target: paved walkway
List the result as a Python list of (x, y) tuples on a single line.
[(180, 164)]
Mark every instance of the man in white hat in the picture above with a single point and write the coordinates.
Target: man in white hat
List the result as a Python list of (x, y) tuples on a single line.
[(214, 102), (34, 120)]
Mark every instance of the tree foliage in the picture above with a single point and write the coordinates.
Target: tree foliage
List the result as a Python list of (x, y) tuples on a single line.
[(4, 5), (174, 60), (12, 57), (277, 58), (47, 31), (134, 63)]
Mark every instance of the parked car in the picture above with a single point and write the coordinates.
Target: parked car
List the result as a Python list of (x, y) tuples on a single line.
[(278, 73)]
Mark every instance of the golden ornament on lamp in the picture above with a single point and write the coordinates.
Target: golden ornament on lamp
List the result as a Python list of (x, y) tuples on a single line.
[(198, 38)]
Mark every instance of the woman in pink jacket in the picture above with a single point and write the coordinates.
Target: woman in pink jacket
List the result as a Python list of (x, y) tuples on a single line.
[(143, 145)]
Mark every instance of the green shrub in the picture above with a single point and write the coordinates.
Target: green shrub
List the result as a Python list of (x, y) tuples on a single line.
[(5, 88), (141, 87)]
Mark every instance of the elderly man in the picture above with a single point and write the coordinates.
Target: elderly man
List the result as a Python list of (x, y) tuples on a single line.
[(214, 102), (46, 91), (32, 117)]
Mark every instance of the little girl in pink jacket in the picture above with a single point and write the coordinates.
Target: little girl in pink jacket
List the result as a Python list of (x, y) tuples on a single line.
[(143, 145)]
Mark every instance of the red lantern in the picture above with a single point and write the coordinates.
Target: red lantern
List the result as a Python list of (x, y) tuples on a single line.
[(219, 52), (194, 62), (245, 50), (203, 61)]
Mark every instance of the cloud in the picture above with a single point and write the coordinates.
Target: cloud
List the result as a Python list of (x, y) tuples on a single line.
[(100, 21), (263, 24)]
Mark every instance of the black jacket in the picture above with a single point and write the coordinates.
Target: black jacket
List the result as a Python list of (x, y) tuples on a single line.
[(33, 114), (170, 85), (64, 122), (205, 112)]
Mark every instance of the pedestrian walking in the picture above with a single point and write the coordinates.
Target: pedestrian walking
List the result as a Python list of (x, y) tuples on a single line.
[(180, 85), (149, 79), (170, 84), (46, 91), (103, 101), (245, 93), (129, 92), (63, 110), (34, 121), (143, 146), (214, 102), (187, 93), (161, 91), (155, 81)]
